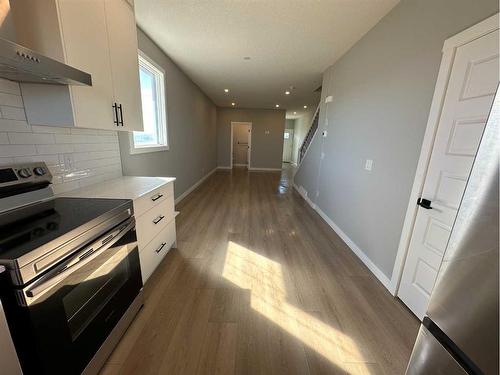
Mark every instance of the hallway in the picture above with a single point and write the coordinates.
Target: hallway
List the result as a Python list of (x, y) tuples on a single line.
[(260, 284)]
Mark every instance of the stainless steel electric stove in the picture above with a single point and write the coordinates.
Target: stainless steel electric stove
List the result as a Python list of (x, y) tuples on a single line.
[(73, 281)]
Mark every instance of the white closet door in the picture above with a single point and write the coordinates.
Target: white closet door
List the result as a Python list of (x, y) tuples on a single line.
[(469, 96)]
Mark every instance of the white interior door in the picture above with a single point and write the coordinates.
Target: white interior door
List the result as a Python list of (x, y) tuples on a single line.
[(241, 143), (287, 145), (468, 99)]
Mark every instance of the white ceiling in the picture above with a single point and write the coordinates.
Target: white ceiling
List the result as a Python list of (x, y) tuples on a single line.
[(289, 42)]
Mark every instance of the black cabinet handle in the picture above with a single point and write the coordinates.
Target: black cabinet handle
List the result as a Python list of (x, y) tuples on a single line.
[(161, 247), (158, 219), (115, 119), (156, 197), (424, 203), (121, 114)]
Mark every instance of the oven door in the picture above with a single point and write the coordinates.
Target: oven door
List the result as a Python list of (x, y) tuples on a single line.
[(73, 308)]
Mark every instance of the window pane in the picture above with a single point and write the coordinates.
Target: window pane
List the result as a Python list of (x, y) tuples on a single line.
[(150, 136)]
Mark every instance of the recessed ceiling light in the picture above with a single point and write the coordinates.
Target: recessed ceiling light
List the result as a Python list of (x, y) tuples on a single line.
[(246, 58), (305, 107), (294, 113), (226, 90), (277, 105), (287, 92), (233, 104)]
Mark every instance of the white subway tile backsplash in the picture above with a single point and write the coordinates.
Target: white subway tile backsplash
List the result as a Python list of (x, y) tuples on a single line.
[(54, 149), (9, 87), (11, 100), (50, 160), (12, 113), (50, 129), (9, 151), (96, 147), (6, 161), (31, 139), (4, 139), (7, 125), (76, 157)]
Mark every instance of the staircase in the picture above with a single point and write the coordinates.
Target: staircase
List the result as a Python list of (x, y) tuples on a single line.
[(309, 136)]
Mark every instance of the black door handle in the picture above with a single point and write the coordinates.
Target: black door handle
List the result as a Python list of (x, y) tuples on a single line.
[(115, 120), (121, 114), (424, 203)]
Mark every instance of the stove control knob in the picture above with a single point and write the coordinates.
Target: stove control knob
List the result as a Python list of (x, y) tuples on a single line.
[(39, 171), (24, 173)]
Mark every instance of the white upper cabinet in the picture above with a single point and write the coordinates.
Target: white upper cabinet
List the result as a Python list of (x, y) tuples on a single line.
[(96, 36), (86, 48), (124, 62)]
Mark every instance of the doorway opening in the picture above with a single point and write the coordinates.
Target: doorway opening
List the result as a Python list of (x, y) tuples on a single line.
[(287, 146), (241, 144)]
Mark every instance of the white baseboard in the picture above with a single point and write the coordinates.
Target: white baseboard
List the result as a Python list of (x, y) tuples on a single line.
[(198, 183), (264, 169), (386, 282), (224, 168)]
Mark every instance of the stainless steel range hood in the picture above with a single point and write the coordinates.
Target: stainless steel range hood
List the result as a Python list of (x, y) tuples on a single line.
[(21, 64)]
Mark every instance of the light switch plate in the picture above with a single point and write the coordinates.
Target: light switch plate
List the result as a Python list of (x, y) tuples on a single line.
[(368, 164), (325, 133), (329, 99)]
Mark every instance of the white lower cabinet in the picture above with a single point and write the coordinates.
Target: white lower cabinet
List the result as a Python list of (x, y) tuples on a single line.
[(153, 253), (153, 200), (155, 227)]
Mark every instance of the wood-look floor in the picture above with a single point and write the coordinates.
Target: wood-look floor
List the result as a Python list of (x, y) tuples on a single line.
[(259, 284)]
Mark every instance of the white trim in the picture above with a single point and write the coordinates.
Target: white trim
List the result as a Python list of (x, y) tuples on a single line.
[(194, 186), (257, 169), (145, 62), (350, 243), (449, 49), (474, 32), (144, 150), (224, 168), (249, 154)]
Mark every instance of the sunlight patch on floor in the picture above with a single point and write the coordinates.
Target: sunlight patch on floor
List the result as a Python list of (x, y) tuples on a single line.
[(264, 278)]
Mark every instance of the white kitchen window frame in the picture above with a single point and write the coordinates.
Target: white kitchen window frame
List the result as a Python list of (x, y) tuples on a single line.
[(162, 126)]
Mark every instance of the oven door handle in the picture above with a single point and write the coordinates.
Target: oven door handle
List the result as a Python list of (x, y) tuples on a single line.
[(79, 260)]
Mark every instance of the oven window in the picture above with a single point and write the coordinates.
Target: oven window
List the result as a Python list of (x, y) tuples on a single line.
[(86, 300)]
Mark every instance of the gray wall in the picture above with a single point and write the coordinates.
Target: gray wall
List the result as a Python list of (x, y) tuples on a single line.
[(382, 91), (191, 129), (290, 124), (267, 149)]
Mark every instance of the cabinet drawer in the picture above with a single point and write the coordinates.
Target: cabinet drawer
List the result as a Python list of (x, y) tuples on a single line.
[(153, 198), (151, 255), (153, 221)]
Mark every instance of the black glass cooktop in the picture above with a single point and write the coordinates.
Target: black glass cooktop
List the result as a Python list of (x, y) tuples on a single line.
[(25, 229)]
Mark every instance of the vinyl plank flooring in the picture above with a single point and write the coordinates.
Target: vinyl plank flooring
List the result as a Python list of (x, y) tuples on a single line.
[(260, 284)]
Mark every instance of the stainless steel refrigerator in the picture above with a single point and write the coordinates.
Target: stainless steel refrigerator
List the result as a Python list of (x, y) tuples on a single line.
[(459, 334)]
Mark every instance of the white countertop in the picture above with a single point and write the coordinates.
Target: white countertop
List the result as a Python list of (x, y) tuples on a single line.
[(125, 187)]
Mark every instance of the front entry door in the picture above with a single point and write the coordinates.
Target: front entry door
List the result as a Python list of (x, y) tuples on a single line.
[(468, 99)]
